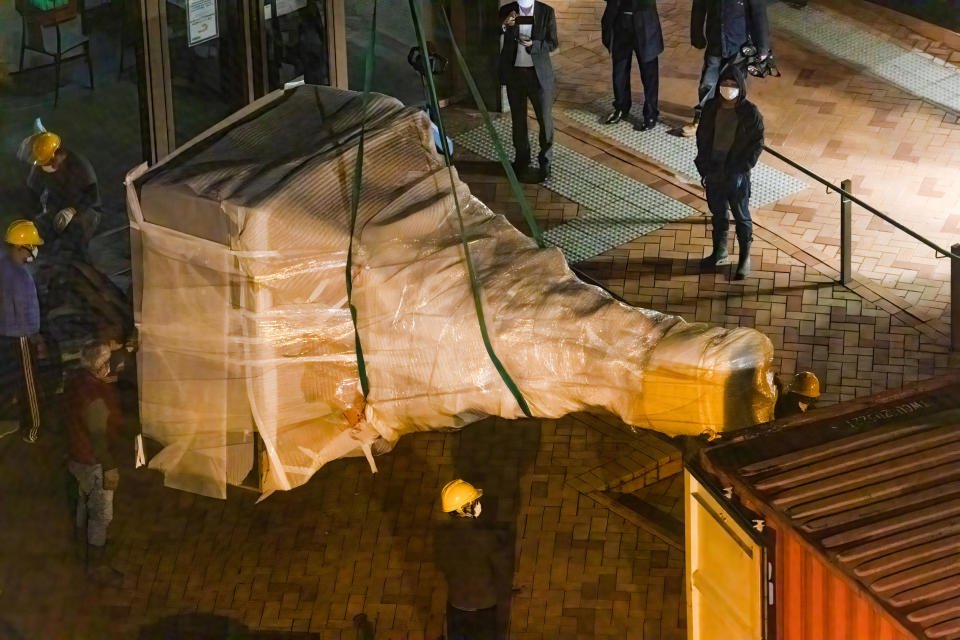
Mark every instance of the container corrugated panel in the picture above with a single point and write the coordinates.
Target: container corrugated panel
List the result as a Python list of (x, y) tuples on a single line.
[(868, 503), (816, 604)]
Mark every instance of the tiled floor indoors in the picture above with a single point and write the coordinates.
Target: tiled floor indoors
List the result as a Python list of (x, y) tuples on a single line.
[(574, 494)]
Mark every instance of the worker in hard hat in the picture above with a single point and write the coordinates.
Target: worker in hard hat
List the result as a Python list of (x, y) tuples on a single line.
[(798, 395), (19, 327), (475, 560), (63, 180)]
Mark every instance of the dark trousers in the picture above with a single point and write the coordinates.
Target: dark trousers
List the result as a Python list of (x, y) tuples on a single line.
[(624, 47), (471, 625), (523, 85), (731, 190), (18, 382)]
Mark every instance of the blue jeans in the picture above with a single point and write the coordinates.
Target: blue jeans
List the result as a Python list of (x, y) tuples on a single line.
[(731, 190)]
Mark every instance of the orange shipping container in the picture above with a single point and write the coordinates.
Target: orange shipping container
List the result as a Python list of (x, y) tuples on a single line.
[(850, 515)]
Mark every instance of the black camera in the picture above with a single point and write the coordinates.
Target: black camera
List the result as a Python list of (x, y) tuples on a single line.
[(755, 66), (438, 63)]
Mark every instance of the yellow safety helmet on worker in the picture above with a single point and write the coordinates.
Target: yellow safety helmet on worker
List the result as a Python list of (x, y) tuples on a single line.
[(40, 148), (43, 147), (461, 497), (23, 233), (805, 384)]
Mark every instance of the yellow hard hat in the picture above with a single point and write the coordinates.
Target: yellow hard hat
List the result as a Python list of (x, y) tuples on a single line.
[(43, 146), (23, 233), (805, 383), (457, 494)]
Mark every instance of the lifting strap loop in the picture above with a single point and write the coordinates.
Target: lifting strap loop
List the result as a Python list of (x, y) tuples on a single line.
[(355, 202)]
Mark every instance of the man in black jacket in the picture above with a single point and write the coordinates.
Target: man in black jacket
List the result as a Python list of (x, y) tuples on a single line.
[(633, 26), (525, 68), (723, 27), (729, 143), (476, 562)]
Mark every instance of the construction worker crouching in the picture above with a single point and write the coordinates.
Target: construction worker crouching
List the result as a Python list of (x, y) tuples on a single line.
[(64, 181), (474, 560), (798, 395), (19, 329)]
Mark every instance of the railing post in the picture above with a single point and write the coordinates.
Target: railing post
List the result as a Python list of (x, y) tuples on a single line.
[(846, 233), (955, 299)]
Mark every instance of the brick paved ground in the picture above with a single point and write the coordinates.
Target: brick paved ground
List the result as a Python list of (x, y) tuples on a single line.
[(351, 542), (901, 153)]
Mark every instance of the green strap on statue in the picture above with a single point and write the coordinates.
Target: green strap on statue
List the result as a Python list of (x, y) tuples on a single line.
[(474, 283), (494, 137), (355, 200)]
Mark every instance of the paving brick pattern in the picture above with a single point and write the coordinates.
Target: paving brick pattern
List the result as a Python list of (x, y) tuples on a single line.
[(305, 562), (349, 542), (901, 152)]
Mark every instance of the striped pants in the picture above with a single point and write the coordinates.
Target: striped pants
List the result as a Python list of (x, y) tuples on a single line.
[(18, 382)]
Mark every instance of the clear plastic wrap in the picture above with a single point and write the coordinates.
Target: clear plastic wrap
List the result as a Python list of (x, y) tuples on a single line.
[(240, 255)]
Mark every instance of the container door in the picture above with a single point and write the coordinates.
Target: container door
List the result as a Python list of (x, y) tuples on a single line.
[(724, 571)]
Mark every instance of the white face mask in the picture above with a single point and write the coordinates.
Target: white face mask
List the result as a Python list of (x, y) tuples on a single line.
[(729, 93), (476, 510), (34, 252), (525, 4), (48, 168)]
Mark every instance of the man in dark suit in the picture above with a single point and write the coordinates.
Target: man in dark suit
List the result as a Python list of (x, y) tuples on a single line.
[(633, 26), (525, 68)]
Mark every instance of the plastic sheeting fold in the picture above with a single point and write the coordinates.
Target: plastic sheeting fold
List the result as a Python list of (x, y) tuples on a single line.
[(244, 326)]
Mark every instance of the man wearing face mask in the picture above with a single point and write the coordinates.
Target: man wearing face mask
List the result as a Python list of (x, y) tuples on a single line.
[(63, 181), (93, 432), (474, 560), (722, 28), (529, 35), (19, 328), (729, 143)]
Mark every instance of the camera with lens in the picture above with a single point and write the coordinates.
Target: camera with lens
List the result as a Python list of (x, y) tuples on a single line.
[(755, 66), (438, 63)]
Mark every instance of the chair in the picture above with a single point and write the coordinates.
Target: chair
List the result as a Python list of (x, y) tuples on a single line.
[(34, 22), (126, 12)]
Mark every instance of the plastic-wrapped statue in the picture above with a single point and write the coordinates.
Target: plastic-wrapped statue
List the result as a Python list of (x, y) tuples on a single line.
[(240, 258)]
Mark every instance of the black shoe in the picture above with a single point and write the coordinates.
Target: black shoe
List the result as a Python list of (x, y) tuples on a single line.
[(648, 125), (520, 168), (544, 172), (614, 117)]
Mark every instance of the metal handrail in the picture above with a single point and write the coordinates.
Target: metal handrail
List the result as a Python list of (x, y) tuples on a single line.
[(846, 194)]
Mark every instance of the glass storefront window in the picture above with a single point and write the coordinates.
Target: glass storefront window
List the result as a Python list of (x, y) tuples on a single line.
[(296, 41), (208, 63), (393, 75)]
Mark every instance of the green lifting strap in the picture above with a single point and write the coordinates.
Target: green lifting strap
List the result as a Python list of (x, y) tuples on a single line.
[(355, 203), (495, 137), (474, 283)]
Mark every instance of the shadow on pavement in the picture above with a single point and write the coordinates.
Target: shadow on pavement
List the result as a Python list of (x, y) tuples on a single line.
[(198, 626)]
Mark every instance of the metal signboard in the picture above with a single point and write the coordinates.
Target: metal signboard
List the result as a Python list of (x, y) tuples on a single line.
[(201, 21)]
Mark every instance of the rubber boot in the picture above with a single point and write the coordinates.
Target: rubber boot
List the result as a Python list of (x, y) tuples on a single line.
[(99, 570), (720, 256), (743, 265)]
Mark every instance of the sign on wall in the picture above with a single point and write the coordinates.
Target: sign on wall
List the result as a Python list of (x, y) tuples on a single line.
[(201, 21)]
